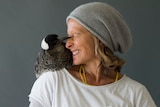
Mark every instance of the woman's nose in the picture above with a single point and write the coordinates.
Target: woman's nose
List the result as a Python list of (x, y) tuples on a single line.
[(69, 43)]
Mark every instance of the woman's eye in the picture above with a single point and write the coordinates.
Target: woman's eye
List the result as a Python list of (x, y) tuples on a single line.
[(74, 35)]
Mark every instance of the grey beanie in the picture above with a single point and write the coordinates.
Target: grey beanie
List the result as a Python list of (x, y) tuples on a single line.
[(105, 23)]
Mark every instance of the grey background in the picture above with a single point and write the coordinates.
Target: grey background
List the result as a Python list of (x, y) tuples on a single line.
[(23, 24)]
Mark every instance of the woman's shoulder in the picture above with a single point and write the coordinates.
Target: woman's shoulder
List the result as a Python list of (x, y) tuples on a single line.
[(132, 83), (50, 75), (47, 74)]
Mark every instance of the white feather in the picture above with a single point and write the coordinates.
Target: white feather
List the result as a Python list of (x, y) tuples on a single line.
[(44, 45)]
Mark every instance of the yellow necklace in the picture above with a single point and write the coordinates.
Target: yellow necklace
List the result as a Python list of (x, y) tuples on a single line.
[(117, 75), (83, 75)]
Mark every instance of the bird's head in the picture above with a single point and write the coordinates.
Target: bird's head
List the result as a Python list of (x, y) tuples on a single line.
[(49, 41)]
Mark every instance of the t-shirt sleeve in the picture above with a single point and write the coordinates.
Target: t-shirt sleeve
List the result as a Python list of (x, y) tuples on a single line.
[(42, 90), (144, 98)]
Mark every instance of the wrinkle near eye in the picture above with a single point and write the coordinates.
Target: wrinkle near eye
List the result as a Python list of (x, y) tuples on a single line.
[(76, 34), (72, 35)]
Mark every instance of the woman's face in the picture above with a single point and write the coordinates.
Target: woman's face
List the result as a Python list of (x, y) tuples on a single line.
[(81, 43)]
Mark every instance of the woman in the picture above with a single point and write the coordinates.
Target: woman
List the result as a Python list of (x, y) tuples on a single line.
[(97, 31)]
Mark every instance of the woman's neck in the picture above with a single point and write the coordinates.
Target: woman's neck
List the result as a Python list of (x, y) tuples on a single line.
[(94, 76)]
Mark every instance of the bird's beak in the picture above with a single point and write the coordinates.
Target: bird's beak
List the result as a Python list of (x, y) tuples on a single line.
[(65, 38)]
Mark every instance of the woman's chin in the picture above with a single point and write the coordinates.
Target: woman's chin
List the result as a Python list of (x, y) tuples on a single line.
[(76, 63)]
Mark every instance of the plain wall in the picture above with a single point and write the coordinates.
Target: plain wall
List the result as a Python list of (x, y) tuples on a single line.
[(23, 24)]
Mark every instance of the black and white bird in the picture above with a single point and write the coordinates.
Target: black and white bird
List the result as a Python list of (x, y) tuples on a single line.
[(53, 56)]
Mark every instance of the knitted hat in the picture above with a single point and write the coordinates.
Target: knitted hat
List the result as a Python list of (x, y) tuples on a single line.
[(105, 23)]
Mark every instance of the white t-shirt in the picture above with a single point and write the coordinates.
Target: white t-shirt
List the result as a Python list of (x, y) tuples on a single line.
[(61, 89)]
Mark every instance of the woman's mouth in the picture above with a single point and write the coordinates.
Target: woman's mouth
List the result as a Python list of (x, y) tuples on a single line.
[(75, 52)]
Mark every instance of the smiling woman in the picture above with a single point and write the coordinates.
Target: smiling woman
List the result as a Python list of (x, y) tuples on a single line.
[(96, 32), (78, 43)]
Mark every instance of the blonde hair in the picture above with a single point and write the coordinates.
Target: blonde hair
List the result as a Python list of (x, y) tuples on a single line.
[(109, 61)]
